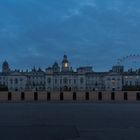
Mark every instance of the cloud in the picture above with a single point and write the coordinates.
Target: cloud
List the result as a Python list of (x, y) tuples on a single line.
[(97, 32), (71, 13), (77, 10)]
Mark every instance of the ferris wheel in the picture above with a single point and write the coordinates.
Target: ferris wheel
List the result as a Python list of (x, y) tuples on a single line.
[(130, 61)]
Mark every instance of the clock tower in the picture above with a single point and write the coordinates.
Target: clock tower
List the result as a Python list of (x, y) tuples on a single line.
[(65, 64)]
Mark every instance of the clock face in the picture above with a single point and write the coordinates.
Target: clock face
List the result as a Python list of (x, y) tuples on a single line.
[(66, 65)]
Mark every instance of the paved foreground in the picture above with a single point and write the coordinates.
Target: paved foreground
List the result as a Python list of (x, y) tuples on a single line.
[(69, 121)]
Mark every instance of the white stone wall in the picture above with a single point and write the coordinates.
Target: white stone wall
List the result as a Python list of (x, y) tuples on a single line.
[(49, 82), (35, 81), (4, 80), (113, 82), (17, 83), (72, 80), (81, 82), (131, 80), (69, 81), (94, 82)]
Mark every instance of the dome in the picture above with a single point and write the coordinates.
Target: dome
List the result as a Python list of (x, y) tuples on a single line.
[(5, 67), (55, 65)]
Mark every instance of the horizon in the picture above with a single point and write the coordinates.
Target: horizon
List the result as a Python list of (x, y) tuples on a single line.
[(76, 67)]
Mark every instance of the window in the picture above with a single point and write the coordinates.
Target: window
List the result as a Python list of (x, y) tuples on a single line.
[(49, 80), (126, 83), (96, 84), (118, 79), (130, 83), (16, 81), (136, 83), (11, 81), (81, 80), (33, 83), (65, 80), (113, 79), (108, 79)]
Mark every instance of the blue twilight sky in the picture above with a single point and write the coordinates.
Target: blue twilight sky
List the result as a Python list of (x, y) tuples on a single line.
[(95, 32)]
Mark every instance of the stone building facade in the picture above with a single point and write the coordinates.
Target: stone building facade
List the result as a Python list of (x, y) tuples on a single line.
[(64, 78)]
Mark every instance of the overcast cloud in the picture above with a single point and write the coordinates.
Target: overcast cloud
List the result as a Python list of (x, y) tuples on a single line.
[(90, 32)]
